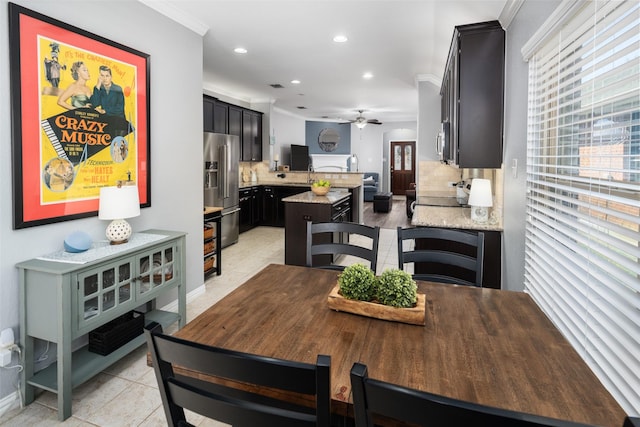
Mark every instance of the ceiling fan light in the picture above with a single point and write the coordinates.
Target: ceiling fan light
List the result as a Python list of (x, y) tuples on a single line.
[(361, 124)]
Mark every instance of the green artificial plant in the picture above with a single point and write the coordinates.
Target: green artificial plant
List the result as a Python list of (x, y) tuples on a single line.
[(397, 289), (357, 282)]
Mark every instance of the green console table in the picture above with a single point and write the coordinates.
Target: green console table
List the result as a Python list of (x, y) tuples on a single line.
[(65, 296)]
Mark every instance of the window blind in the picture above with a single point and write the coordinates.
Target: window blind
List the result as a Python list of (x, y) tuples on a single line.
[(582, 255)]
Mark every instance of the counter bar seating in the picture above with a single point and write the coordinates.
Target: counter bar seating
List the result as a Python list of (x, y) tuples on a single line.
[(449, 264), (342, 246), (372, 397), (221, 401)]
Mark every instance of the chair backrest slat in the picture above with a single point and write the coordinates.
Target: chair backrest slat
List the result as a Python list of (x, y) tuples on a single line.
[(372, 396), (448, 259), (237, 406), (329, 247)]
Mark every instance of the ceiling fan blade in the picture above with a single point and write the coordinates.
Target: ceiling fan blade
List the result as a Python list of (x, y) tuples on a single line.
[(374, 122)]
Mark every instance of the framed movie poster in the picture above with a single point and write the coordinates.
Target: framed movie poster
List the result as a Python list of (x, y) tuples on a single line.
[(80, 106)]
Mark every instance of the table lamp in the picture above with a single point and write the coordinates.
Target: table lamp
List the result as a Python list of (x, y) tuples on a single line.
[(480, 200), (118, 203)]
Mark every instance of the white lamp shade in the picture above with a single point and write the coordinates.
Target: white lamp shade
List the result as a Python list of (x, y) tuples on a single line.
[(119, 202), (480, 194)]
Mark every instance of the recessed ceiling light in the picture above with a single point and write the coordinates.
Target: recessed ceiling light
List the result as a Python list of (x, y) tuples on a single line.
[(367, 75), (240, 50), (340, 38), (295, 82)]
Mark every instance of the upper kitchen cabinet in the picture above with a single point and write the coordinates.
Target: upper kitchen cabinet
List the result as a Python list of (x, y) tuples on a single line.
[(473, 96), (216, 115), (251, 136), (221, 117)]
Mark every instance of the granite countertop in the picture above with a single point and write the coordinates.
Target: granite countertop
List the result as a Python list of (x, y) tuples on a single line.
[(456, 217), (309, 197), (291, 184)]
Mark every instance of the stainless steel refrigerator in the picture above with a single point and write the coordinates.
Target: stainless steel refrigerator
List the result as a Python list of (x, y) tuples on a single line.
[(221, 163)]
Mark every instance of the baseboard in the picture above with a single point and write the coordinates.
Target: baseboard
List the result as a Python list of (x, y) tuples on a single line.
[(173, 306), (7, 403)]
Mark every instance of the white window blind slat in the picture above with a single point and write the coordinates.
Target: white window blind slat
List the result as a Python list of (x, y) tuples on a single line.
[(582, 248)]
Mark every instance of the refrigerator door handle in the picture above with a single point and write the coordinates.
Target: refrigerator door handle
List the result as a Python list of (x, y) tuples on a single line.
[(231, 212), (227, 169), (223, 153)]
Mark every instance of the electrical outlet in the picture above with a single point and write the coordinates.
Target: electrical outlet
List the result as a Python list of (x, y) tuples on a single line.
[(5, 357), (6, 338)]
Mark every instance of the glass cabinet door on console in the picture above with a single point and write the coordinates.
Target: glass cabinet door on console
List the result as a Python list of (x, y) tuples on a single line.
[(155, 270), (103, 290)]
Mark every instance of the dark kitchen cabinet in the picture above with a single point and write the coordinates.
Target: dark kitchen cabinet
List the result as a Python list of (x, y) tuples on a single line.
[(295, 231), (251, 136), (215, 115), (249, 202), (207, 111), (269, 207), (273, 208), (221, 117), (235, 121), (472, 92)]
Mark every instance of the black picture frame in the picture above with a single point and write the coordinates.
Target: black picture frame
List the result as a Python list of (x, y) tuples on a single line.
[(73, 132)]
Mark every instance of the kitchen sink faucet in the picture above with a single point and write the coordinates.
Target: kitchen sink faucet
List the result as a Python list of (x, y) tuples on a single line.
[(309, 170)]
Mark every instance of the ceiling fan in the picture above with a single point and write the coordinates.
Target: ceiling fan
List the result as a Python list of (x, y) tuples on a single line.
[(361, 122)]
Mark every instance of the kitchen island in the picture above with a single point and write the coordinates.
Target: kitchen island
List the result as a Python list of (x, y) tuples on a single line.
[(303, 207)]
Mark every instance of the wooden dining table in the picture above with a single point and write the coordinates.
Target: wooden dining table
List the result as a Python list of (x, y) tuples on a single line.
[(490, 346)]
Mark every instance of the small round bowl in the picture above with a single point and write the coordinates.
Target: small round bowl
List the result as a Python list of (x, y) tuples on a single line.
[(320, 191)]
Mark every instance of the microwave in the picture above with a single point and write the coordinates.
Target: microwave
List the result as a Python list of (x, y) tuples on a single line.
[(443, 143)]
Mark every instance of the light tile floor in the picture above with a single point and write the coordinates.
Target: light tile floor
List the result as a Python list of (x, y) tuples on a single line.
[(126, 394)]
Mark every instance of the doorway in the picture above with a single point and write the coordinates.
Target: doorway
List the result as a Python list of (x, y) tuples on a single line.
[(403, 166)]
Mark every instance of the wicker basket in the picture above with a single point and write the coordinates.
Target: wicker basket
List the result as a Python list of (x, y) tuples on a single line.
[(209, 262), (113, 335), (209, 247), (208, 232)]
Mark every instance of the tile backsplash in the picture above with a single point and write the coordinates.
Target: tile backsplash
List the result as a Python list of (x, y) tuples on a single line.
[(436, 177)]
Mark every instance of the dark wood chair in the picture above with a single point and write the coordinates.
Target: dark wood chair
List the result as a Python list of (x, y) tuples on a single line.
[(446, 260), (224, 402), (631, 422), (330, 240), (371, 397)]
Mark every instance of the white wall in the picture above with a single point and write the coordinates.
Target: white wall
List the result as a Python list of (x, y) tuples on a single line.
[(370, 144), (288, 129), (176, 141), (428, 120), (528, 19)]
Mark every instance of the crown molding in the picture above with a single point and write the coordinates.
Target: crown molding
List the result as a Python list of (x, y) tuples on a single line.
[(428, 78), (175, 14), (551, 26), (509, 12)]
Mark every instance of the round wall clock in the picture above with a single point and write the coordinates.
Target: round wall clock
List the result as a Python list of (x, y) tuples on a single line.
[(328, 139)]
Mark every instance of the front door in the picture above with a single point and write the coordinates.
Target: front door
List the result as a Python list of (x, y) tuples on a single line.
[(403, 166)]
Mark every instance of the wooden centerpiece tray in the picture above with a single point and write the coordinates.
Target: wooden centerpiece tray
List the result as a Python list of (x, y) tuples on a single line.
[(413, 315)]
